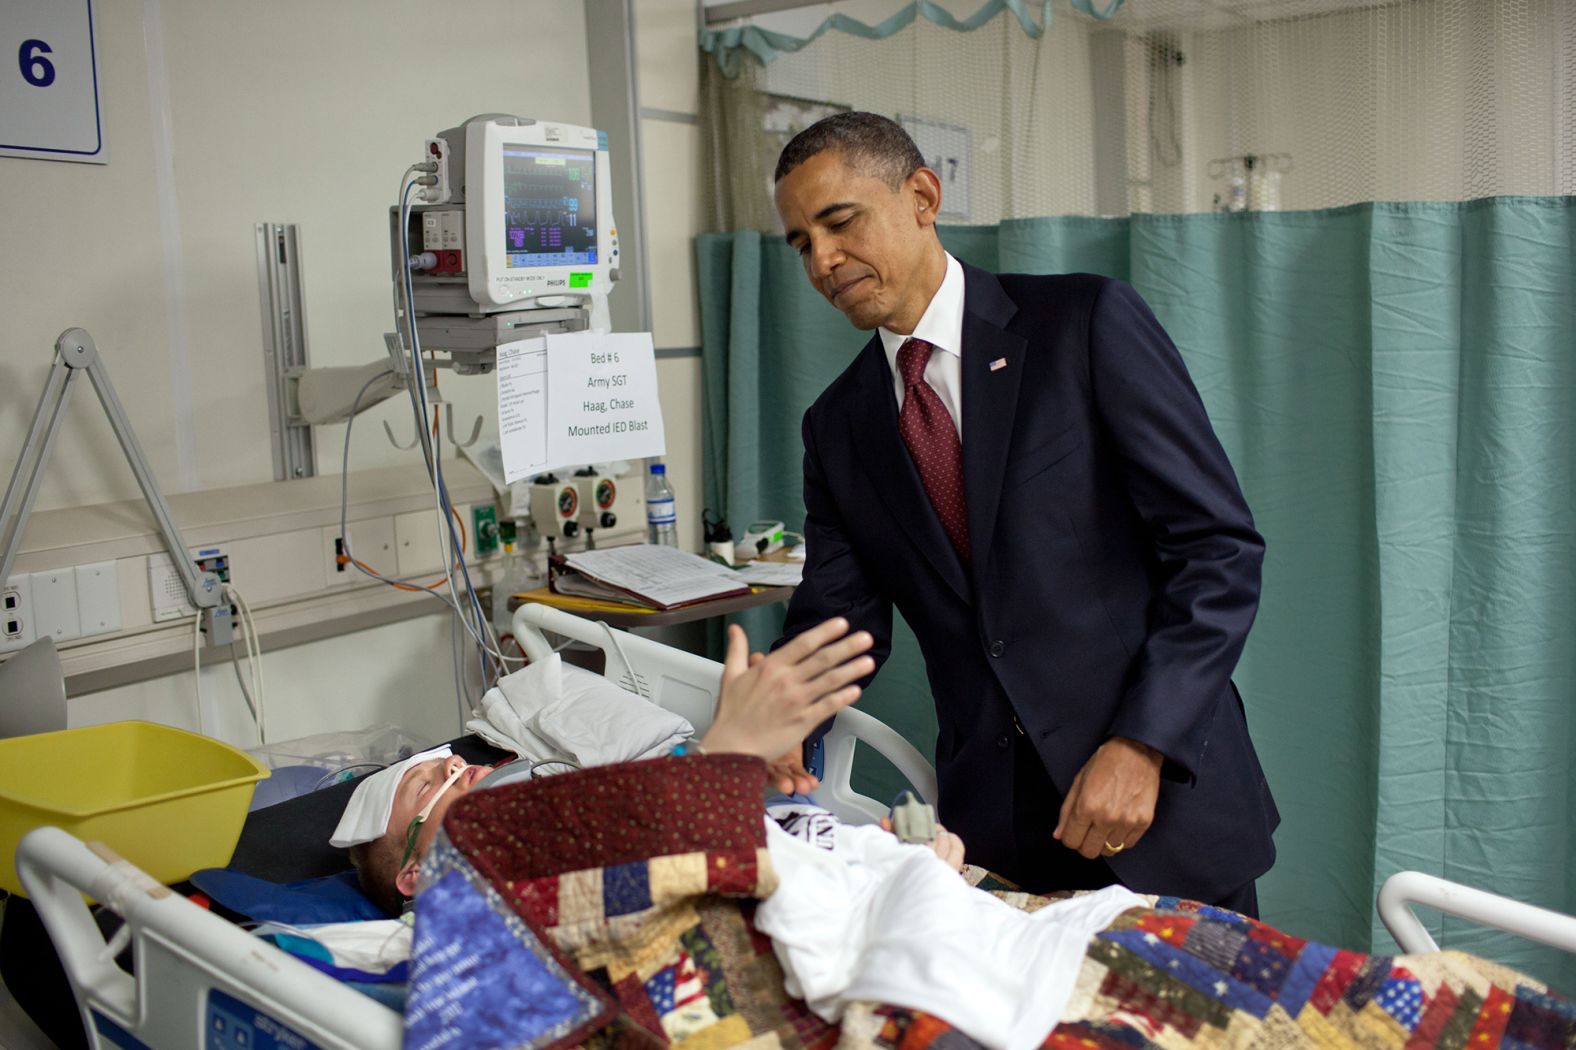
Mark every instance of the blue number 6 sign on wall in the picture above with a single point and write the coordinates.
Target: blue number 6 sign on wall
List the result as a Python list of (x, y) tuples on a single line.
[(49, 98)]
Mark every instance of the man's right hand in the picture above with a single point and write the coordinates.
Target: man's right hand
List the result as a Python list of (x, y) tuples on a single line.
[(769, 703)]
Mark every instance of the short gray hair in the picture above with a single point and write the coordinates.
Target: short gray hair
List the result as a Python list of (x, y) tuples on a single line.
[(868, 142)]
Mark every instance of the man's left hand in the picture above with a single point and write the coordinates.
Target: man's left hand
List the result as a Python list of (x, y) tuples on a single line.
[(1112, 801)]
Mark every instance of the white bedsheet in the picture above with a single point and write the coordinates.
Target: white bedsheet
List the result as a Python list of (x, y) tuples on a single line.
[(878, 920)]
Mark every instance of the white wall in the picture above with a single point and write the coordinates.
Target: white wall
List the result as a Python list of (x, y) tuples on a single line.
[(289, 111), (401, 674), (219, 115)]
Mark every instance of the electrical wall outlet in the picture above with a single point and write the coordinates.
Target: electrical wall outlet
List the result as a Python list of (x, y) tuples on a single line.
[(372, 544), (61, 604), (16, 614)]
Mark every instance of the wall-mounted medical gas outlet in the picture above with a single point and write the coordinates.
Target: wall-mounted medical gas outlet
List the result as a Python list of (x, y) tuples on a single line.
[(598, 497), (555, 507), (484, 526)]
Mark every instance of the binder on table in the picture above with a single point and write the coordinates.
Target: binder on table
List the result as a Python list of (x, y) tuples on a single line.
[(647, 575)]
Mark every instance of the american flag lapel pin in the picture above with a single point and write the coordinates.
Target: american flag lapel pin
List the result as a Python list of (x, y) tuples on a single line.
[(998, 364)]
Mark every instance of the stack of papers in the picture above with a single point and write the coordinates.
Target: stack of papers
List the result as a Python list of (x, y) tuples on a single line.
[(772, 573), (649, 575)]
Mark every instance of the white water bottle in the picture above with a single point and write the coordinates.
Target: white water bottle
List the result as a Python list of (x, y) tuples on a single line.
[(661, 519)]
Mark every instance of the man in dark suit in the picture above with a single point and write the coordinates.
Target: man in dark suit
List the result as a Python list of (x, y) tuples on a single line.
[(1021, 465)]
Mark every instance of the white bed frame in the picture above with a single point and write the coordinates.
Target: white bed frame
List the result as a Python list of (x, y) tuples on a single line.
[(205, 984), (1406, 888), (687, 685)]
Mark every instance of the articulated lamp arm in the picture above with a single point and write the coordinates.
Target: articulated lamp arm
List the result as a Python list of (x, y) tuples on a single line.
[(75, 353)]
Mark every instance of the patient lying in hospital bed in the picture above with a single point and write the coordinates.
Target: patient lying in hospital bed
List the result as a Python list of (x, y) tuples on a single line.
[(765, 706), (640, 898), (625, 904), (640, 893)]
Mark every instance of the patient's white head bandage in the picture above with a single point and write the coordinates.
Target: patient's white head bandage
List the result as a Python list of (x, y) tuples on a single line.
[(367, 816)]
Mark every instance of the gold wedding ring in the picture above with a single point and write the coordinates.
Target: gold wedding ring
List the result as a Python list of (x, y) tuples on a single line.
[(1114, 850)]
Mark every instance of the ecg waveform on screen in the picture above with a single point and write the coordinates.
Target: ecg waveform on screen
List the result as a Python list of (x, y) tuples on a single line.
[(546, 208)]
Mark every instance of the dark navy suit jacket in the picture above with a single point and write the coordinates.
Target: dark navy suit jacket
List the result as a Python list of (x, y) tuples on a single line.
[(1113, 578)]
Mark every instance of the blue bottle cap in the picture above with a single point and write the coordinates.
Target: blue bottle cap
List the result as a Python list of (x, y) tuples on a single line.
[(659, 468)]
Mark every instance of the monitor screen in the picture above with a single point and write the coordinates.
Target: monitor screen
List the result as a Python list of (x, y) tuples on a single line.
[(549, 206)]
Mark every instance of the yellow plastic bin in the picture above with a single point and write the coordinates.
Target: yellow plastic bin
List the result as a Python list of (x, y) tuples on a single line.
[(169, 801)]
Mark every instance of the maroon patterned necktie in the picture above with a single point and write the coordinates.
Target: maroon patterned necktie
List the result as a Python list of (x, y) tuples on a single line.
[(932, 440)]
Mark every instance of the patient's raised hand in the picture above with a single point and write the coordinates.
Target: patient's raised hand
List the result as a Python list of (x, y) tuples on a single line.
[(787, 771), (769, 703), (946, 845)]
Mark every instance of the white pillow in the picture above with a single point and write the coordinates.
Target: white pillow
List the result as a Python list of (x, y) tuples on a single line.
[(588, 718)]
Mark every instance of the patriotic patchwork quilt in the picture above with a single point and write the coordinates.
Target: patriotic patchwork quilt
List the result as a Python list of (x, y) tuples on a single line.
[(612, 907)]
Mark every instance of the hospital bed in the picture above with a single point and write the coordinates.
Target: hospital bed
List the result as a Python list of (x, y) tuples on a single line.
[(202, 982)]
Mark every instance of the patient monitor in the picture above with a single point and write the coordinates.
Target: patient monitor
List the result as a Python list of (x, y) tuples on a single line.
[(505, 233), (536, 201), (514, 236)]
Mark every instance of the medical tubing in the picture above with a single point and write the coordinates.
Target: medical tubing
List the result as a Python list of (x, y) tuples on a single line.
[(254, 656), (246, 693), (440, 495), (235, 664), (461, 689), (553, 760), (333, 776), (197, 669), (446, 506), (418, 394), (418, 391), (344, 498), (419, 403), (482, 623), (344, 502), (629, 668)]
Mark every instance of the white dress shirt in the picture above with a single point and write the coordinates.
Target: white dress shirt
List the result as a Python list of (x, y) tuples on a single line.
[(942, 327)]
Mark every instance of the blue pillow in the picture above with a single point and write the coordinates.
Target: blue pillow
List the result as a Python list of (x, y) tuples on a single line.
[(331, 898)]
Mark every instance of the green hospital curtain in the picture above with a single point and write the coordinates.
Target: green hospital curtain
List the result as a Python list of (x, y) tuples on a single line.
[(1396, 386)]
